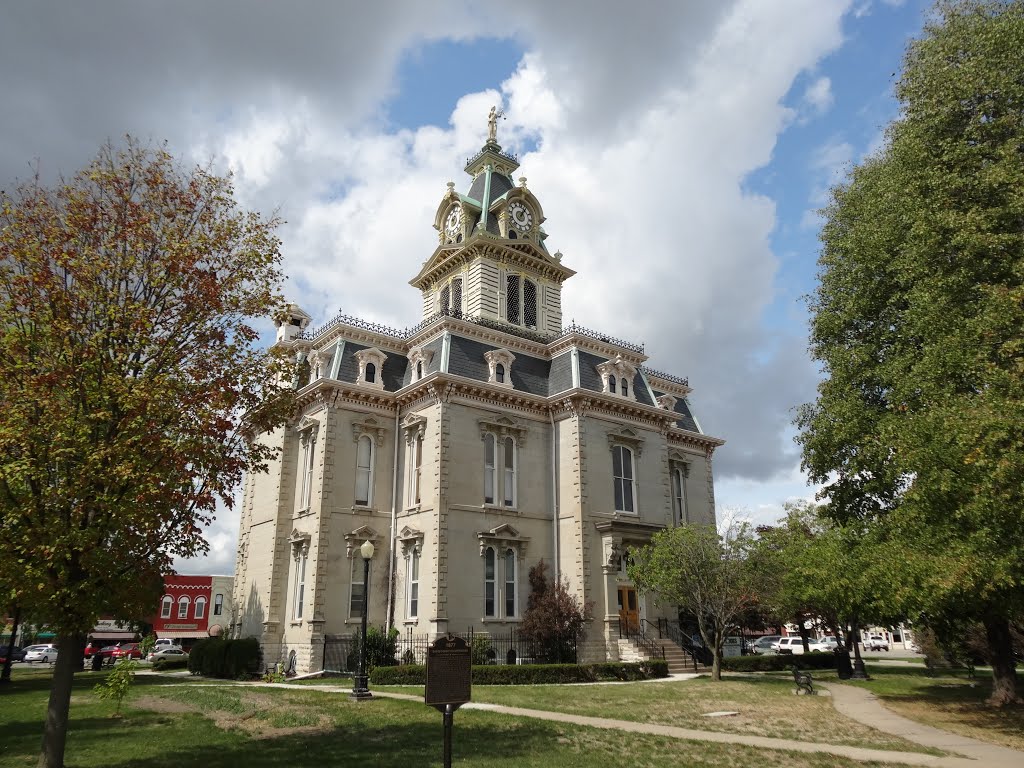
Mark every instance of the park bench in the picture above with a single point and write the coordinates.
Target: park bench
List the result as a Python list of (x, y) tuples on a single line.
[(804, 682)]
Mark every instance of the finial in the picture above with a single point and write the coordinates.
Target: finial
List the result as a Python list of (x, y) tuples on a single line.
[(522, 182), (451, 187), (558, 257)]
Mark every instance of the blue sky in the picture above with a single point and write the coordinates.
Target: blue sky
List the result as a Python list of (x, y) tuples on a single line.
[(680, 151)]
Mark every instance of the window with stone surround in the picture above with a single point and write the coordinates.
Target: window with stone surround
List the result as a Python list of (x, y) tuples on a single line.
[(183, 604), (502, 550), (414, 427), (622, 476), (371, 368), (364, 471), (680, 510), (502, 438), (165, 607), (307, 440), (520, 301), (218, 604), (615, 377), (499, 366)]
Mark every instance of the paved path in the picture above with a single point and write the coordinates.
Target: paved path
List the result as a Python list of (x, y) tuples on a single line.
[(850, 701), (864, 707)]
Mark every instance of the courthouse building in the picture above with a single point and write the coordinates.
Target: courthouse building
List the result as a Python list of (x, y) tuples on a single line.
[(468, 448)]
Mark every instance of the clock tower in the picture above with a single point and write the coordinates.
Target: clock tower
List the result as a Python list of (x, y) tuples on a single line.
[(491, 261)]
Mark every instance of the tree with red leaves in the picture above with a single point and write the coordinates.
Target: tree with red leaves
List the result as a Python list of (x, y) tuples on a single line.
[(130, 386)]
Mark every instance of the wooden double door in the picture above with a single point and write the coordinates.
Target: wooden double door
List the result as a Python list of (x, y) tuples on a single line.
[(629, 608)]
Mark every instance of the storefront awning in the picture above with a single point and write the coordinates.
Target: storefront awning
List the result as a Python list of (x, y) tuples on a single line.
[(180, 633), (112, 635)]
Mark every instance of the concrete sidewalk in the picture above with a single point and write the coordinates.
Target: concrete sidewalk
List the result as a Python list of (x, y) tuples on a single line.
[(864, 707)]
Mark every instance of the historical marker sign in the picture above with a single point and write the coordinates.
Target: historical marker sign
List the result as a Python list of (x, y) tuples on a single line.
[(448, 672)]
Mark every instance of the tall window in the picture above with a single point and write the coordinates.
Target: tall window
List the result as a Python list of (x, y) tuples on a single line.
[(200, 611), (490, 587), (218, 604), (413, 582), (625, 388), (371, 372), (415, 469), (489, 468), (183, 603), (357, 601), (611, 384), (622, 474), (520, 301), (500, 454), (510, 473), (300, 585), (308, 457), (451, 298), (165, 607), (510, 582), (364, 471), (499, 373), (679, 496)]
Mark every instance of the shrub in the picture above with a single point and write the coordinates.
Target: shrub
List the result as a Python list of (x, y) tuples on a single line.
[(480, 649), (530, 674), (381, 649), (555, 620), (779, 662), (231, 659)]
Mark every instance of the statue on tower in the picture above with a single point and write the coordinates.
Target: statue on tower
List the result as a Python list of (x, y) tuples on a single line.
[(492, 124)]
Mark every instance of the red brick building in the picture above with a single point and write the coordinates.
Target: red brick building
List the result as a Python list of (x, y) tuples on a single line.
[(193, 607)]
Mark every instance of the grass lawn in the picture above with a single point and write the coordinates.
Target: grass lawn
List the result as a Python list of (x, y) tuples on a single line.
[(766, 706), (952, 702), (171, 723)]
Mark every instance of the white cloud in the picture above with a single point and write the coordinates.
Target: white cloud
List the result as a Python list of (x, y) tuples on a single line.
[(645, 127), (818, 95)]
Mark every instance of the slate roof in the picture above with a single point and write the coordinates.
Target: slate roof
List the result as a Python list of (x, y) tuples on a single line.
[(560, 375), (686, 420), (466, 358), (393, 374), (500, 184)]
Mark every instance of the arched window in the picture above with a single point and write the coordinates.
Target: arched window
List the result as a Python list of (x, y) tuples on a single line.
[(512, 299), (622, 473), (510, 472), (520, 301), (611, 384), (364, 471), (625, 388), (165, 607), (183, 603), (510, 583), (200, 611), (489, 583), (415, 455), (371, 373), (419, 370), (446, 300), (489, 468), (457, 297), (529, 304), (308, 455), (499, 373)]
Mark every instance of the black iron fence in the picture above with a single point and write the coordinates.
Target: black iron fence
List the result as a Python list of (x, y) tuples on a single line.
[(341, 654)]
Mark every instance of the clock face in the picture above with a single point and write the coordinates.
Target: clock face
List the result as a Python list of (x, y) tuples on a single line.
[(453, 222), (520, 215)]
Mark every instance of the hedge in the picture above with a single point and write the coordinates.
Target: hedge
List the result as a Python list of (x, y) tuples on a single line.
[(230, 659), (779, 662), (161, 664), (529, 674)]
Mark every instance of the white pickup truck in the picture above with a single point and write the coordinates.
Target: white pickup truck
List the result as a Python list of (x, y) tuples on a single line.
[(876, 643)]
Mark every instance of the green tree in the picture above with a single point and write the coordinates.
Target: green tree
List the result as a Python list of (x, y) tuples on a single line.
[(917, 323), (711, 576), (130, 384)]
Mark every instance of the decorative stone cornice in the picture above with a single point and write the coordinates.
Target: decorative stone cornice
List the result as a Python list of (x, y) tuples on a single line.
[(502, 427), (354, 539), (503, 537), (369, 426)]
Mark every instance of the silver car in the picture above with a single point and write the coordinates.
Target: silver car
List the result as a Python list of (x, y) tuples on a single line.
[(43, 653)]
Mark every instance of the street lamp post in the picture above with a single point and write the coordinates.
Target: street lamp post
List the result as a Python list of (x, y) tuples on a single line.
[(360, 684)]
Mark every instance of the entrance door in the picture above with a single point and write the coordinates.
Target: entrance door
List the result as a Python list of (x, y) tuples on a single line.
[(629, 612)]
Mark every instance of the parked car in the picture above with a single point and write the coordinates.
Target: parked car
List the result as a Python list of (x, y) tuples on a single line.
[(44, 653), (167, 652), (794, 645), (829, 643), (17, 654), (127, 651), (876, 643), (165, 642), (764, 644)]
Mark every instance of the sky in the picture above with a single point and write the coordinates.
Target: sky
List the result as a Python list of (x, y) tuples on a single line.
[(681, 151)]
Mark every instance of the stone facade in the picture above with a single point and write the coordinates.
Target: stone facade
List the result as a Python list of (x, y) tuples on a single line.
[(467, 450)]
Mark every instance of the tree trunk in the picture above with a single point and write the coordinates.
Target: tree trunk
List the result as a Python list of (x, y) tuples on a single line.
[(801, 623), (716, 664), (55, 730), (1004, 673), (5, 675)]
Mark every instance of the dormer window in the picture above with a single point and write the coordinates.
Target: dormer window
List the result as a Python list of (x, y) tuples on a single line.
[(371, 368), (616, 375), (499, 365), (419, 359)]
